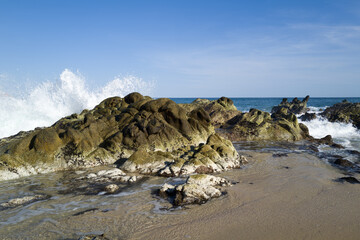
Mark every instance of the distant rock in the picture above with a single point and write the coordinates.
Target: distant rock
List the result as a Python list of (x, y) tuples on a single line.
[(343, 112), (295, 106), (197, 189)]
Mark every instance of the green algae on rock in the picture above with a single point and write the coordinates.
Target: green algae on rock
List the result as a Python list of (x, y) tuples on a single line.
[(115, 129)]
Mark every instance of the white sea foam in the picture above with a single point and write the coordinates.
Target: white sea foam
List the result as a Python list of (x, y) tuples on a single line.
[(49, 101), (343, 133)]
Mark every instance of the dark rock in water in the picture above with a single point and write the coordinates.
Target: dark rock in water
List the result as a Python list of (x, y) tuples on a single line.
[(327, 140), (344, 162), (94, 237), (308, 117), (220, 110), (197, 189), (343, 112), (295, 106), (280, 155), (259, 125), (351, 180), (116, 129)]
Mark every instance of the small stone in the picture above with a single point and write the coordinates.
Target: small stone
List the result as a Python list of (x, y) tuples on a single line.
[(111, 188)]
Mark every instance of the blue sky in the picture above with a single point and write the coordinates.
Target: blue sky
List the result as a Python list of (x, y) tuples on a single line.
[(188, 48)]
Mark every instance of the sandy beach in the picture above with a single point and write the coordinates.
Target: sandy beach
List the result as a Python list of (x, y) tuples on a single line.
[(293, 196)]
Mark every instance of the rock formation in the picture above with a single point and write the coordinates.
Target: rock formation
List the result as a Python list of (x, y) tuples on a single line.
[(259, 125), (295, 106), (116, 129), (343, 112)]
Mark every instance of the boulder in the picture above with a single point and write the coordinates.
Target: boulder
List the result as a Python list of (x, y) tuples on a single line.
[(343, 112), (259, 125), (23, 200), (307, 117), (197, 189), (295, 106)]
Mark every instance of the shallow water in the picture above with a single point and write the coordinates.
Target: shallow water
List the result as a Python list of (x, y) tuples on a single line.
[(283, 192)]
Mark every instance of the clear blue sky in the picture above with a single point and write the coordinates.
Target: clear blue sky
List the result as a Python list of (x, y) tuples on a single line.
[(189, 48)]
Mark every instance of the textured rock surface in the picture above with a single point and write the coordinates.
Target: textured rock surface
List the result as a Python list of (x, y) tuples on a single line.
[(344, 112), (216, 155), (153, 133), (197, 189), (259, 125), (220, 110), (295, 106)]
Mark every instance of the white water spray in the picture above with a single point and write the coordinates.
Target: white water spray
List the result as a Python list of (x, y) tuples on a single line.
[(50, 101)]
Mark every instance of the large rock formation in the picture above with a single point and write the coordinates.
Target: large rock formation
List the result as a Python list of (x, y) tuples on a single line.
[(114, 130), (220, 110), (344, 112), (259, 125), (295, 106)]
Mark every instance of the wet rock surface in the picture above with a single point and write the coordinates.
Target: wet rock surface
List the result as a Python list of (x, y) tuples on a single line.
[(308, 117), (197, 189), (23, 201), (343, 112)]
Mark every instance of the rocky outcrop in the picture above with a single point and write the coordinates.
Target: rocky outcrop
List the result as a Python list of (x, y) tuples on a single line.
[(197, 189), (220, 110), (343, 112), (259, 125), (121, 129), (295, 106)]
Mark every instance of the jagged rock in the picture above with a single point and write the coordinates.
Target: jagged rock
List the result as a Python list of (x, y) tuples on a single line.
[(220, 110), (198, 189), (259, 125), (295, 106), (307, 117), (343, 112), (24, 200), (216, 155), (114, 129)]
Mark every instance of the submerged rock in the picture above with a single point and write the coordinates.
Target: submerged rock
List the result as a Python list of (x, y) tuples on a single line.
[(260, 125), (197, 189), (295, 106), (343, 112), (351, 180), (23, 200)]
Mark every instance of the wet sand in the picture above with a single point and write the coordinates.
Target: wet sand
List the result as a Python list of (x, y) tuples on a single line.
[(288, 197)]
